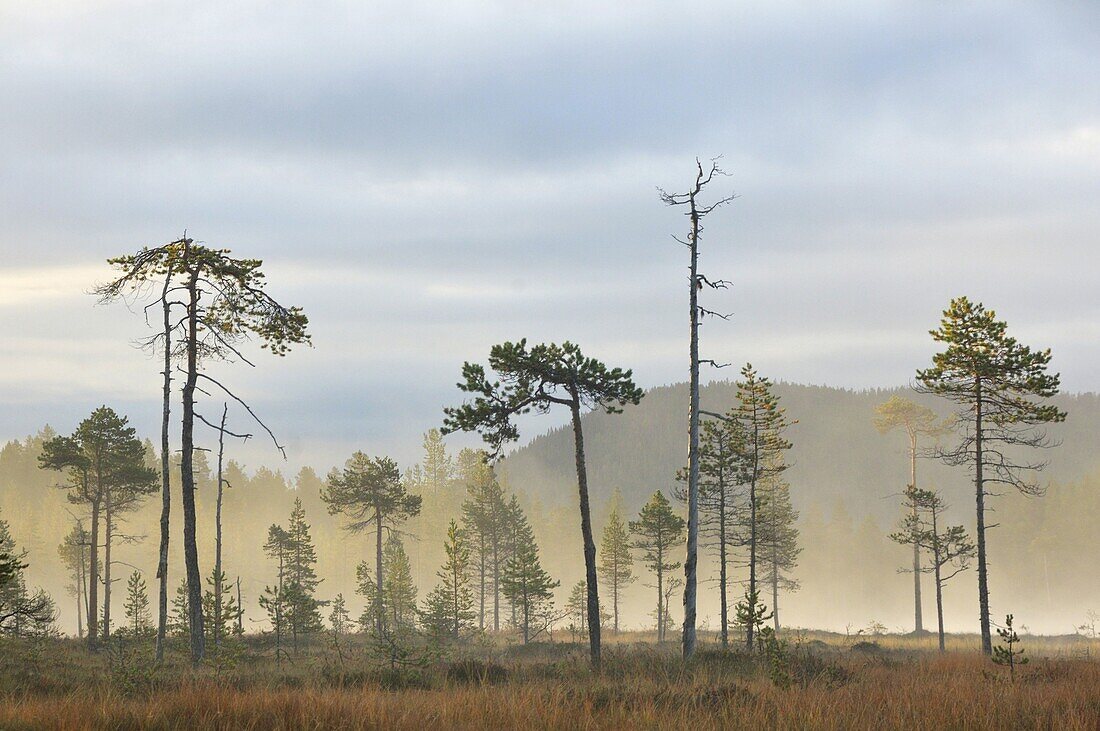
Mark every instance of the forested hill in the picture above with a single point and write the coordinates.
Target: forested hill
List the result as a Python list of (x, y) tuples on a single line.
[(838, 456)]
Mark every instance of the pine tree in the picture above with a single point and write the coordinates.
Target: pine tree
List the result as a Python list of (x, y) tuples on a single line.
[(398, 600), (138, 617), (338, 618), (370, 495), (616, 561), (528, 586), (484, 519), (778, 537), (21, 613), (74, 553), (916, 421), (763, 422), (179, 619), (656, 532), (949, 548), (535, 379), (449, 607), (999, 386), (300, 586), (220, 616), (723, 502)]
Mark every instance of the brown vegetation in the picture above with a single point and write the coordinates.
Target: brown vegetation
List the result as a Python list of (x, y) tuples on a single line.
[(837, 682)]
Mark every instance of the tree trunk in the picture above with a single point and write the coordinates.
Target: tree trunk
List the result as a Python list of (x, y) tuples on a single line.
[(481, 573), (586, 532), (723, 579), (660, 597), (108, 538), (938, 562), (775, 587), (496, 581), (979, 488), (615, 592), (691, 561), (81, 595), (918, 618), (218, 535), (187, 470), (378, 611), (165, 474), (93, 579), (240, 609), (750, 631)]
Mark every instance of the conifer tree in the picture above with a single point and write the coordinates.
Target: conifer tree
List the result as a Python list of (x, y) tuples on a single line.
[(762, 421), (74, 552), (449, 607), (224, 302), (950, 548), (657, 531), (616, 561), (484, 519), (370, 495), (300, 586), (528, 586), (105, 465), (138, 616), (179, 617), (723, 502), (21, 612), (1000, 387), (397, 602), (338, 618), (778, 538), (916, 421), (535, 379), (220, 615)]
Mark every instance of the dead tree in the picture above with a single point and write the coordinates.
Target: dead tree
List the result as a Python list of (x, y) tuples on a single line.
[(695, 213)]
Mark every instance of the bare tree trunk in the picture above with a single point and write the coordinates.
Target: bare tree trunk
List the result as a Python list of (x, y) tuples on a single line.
[(190, 541), (165, 475), (979, 487), (108, 530), (93, 580), (660, 596), (218, 534), (691, 561), (240, 609), (378, 612), (586, 532), (723, 560), (81, 594), (918, 620), (939, 580), (775, 587), (496, 580)]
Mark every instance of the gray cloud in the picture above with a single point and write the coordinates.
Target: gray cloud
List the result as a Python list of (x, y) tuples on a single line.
[(427, 179)]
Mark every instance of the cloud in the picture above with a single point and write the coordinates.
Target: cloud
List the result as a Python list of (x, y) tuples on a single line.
[(427, 179)]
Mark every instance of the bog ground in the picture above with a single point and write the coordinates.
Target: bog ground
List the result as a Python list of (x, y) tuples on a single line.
[(819, 681)]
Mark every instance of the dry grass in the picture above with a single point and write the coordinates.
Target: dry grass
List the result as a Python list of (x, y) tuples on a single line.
[(894, 683)]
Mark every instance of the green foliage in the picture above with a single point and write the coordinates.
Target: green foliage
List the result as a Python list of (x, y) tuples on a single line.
[(219, 626), (1008, 654), (751, 612), (527, 585), (616, 560), (397, 605), (449, 608), (657, 531), (22, 614), (532, 380), (138, 616), (300, 576), (369, 492)]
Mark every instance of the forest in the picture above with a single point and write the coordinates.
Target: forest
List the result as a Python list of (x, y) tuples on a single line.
[(809, 547)]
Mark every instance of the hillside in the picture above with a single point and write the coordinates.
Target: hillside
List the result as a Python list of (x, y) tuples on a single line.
[(838, 457)]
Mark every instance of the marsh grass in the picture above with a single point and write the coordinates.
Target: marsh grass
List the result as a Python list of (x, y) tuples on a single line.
[(901, 684)]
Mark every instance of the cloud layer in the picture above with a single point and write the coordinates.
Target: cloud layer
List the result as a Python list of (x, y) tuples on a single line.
[(430, 178)]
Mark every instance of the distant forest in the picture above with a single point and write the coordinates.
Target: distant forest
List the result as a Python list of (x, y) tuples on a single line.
[(846, 483)]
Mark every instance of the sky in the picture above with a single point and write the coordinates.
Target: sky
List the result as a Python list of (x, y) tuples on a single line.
[(427, 179)]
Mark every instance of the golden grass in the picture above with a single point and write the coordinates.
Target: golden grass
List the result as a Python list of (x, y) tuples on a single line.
[(642, 687)]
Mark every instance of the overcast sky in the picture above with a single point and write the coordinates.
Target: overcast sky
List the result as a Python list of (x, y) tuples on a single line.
[(427, 179)]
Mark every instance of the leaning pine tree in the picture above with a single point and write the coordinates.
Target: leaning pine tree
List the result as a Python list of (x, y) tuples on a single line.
[(535, 379), (999, 386)]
